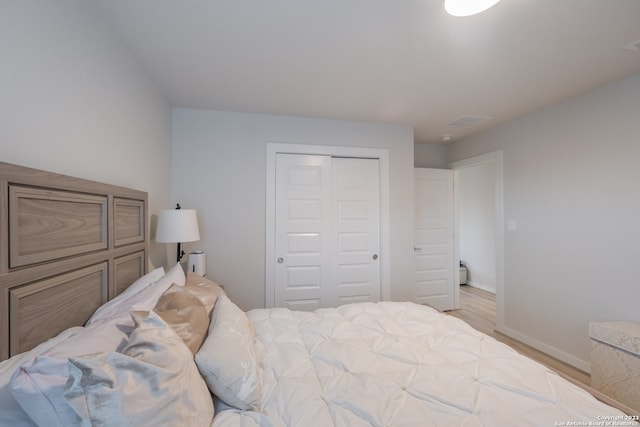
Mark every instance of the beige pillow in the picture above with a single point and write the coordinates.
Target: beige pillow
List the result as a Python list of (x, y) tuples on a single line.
[(227, 358), (206, 290), (153, 382), (186, 314)]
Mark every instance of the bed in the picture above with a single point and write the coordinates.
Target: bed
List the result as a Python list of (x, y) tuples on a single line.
[(168, 348)]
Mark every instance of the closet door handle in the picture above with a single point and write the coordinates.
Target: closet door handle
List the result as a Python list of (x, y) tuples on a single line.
[(280, 260), (375, 257)]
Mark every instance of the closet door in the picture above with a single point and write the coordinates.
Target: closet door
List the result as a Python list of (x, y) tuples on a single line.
[(303, 197), (327, 231), (355, 230)]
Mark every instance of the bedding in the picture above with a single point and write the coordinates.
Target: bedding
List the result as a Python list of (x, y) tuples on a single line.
[(152, 382), (11, 413), (186, 314), (109, 310), (400, 364), (143, 299), (363, 364), (227, 359), (38, 384)]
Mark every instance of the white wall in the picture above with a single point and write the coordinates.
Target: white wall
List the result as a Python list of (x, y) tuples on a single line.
[(219, 168), (73, 101), (476, 187), (571, 179), (430, 156)]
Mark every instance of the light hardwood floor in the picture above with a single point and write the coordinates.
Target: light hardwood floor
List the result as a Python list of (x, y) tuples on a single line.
[(478, 308)]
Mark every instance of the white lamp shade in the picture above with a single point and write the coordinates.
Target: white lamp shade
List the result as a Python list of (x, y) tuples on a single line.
[(177, 225)]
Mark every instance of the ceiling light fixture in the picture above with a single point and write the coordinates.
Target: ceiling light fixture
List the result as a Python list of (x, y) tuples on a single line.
[(467, 7)]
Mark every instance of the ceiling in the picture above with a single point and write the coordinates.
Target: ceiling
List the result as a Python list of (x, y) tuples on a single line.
[(393, 61)]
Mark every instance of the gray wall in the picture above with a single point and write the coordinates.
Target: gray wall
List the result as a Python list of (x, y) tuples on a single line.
[(219, 168), (430, 156), (75, 102), (571, 181)]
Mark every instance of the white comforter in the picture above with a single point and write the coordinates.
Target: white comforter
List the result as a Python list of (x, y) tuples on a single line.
[(400, 364)]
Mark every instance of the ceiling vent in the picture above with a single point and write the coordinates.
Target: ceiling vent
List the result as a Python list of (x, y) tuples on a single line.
[(468, 120), (633, 46)]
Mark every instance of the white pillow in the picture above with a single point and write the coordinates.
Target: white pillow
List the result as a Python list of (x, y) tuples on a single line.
[(110, 331), (137, 286), (154, 382), (143, 282), (227, 358), (144, 299), (38, 385), (11, 413)]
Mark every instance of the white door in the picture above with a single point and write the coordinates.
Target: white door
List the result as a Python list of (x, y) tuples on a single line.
[(303, 197), (355, 230), (434, 238), (327, 231)]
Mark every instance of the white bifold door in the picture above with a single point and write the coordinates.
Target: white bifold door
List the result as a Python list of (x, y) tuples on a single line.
[(327, 231)]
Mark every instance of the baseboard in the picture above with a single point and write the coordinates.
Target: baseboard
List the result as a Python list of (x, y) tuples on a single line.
[(545, 348), (481, 286)]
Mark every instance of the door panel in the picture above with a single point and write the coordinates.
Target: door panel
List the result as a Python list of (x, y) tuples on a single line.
[(434, 239)]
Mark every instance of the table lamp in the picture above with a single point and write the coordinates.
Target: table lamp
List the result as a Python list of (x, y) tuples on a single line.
[(177, 226)]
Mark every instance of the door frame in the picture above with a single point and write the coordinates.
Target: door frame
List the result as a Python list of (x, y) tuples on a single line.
[(495, 158), (275, 148)]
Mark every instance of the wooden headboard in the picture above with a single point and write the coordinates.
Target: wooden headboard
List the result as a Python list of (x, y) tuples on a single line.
[(67, 245)]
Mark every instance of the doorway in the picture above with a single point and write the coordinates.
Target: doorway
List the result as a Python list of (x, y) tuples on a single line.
[(491, 163), (476, 213)]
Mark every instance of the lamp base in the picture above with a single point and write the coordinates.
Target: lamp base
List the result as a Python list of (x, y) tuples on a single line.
[(180, 253)]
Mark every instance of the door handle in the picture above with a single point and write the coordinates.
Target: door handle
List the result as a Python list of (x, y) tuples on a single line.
[(375, 257), (417, 249), (280, 260)]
